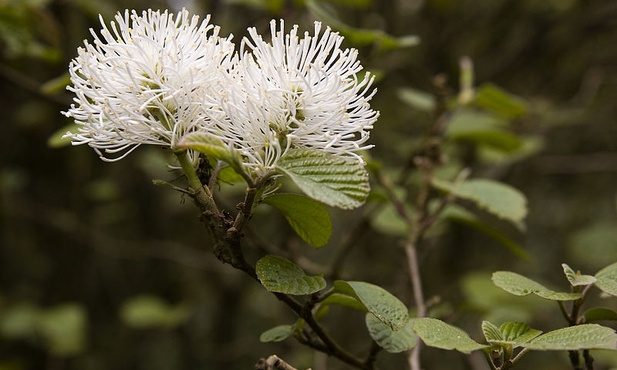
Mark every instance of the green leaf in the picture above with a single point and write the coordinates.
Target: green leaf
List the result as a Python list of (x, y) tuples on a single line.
[(229, 176), (387, 221), (361, 37), (392, 341), (210, 146), (491, 332), (519, 285), (575, 278), (64, 329), (495, 99), (483, 129), (594, 245), (335, 181), (458, 214), (309, 218), (344, 300), (352, 3), (607, 279), (518, 333), (436, 333), (19, 321), (378, 301), (148, 311), (495, 304), (600, 314), (494, 197), (586, 336), (417, 99), (530, 146), (56, 85), (58, 139), (280, 275), (277, 334)]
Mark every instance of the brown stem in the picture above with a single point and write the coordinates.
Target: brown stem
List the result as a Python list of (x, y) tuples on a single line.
[(273, 363), (588, 359), (227, 234)]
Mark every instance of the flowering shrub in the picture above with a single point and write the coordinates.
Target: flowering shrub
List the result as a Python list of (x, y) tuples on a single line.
[(297, 107)]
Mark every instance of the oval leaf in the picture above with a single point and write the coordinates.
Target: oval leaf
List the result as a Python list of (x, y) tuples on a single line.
[(361, 36), (378, 301), (494, 197), (436, 333), (518, 333), (484, 129), (280, 275), (64, 329), (417, 99), (343, 300), (147, 311), (335, 181), (309, 218), (575, 278), (208, 145), (493, 98), (388, 339), (607, 279), (519, 285), (276, 334), (587, 336), (60, 139), (491, 332), (600, 314), (458, 214)]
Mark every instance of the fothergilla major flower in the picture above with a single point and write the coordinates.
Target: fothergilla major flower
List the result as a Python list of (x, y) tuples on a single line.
[(149, 78), (152, 78), (295, 92)]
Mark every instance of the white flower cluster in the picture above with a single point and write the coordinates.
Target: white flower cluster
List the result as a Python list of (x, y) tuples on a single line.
[(154, 77)]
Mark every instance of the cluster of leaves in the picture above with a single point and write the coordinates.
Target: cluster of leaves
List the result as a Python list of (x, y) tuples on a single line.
[(483, 119), (392, 329), (506, 344)]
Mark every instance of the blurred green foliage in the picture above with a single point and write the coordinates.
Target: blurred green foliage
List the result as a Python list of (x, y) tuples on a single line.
[(100, 269)]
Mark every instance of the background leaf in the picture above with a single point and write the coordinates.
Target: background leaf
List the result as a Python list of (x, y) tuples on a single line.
[(57, 139), (482, 128), (309, 218), (495, 99), (494, 197), (600, 314), (335, 181), (436, 333), (148, 311), (64, 329), (378, 301), (278, 274), (392, 341), (359, 36), (460, 215), (519, 285), (607, 279), (417, 99), (277, 334), (586, 336)]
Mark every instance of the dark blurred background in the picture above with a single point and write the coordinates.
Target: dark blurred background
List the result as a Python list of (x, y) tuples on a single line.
[(100, 269)]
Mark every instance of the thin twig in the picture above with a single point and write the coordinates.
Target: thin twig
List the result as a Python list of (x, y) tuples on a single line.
[(227, 234), (273, 363)]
